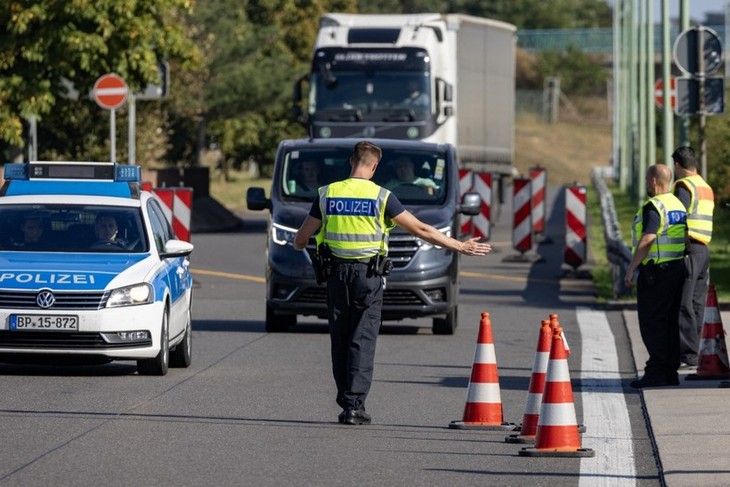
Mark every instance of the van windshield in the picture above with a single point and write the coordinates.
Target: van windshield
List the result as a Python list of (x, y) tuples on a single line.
[(415, 177)]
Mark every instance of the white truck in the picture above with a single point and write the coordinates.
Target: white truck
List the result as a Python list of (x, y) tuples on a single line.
[(441, 78)]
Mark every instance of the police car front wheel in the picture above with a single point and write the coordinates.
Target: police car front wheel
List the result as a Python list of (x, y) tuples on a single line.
[(159, 364)]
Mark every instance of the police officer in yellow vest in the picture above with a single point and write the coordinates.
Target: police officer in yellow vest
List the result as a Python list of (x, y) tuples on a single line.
[(353, 217), (659, 241), (699, 200)]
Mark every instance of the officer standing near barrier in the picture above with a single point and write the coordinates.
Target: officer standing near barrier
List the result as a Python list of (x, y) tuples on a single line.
[(659, 242), (699, 200), (354, 217)]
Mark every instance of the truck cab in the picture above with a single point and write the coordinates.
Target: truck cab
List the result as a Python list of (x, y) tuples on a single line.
[(424, 281)]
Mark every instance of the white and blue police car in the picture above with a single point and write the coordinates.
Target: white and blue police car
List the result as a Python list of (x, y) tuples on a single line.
[(90, 269)]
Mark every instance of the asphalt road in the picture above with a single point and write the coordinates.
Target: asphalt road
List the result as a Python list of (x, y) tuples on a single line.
[(258, 409)]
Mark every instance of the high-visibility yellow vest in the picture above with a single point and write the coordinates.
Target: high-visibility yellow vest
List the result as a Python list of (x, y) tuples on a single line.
[(701, 206), (670, 241), (353, 218)]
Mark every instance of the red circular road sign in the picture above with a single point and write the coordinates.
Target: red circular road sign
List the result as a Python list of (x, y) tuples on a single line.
[(659, 92), (110, 91)]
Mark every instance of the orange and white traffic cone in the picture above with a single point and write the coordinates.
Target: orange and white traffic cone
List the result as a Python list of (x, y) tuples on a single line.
[(554, 323), (528, 430), (713, 360), (557, 429), (483, 408)]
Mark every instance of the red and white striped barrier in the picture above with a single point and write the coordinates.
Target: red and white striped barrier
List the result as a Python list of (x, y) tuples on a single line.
[(483, 221), (466, 183), (575, 226), (177, 205), (522, 215), (538, 178)]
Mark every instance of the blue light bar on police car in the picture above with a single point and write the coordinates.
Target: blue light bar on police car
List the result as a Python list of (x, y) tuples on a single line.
[(96, 171)]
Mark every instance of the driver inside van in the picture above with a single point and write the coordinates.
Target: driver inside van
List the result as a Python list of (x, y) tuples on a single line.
[(406, 174)]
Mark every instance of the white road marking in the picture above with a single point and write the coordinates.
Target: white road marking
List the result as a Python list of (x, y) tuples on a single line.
[(605, 415)]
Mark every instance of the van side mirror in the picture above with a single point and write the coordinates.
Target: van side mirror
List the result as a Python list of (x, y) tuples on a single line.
[(256, 199), (471, 203)]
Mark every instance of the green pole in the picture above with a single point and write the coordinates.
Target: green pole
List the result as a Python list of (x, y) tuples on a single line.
[(641, 92), (667, 115), (633, 98), (650, 63), (625, 174), (683, 119)]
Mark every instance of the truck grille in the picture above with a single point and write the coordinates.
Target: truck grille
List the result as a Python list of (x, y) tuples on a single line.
[(64, 300)]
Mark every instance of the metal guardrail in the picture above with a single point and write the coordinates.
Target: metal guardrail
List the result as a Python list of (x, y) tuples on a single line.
[(617, 252), (597, 41)]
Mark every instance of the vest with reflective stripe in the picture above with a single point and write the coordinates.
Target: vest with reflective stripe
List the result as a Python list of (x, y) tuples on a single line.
[(670, 238), (353, 218), (701, 206)]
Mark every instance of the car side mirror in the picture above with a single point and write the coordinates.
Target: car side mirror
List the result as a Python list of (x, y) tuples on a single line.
[(176, 248), (470, 204)]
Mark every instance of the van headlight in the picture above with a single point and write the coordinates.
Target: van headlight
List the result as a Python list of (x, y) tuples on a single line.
[(282, 235), (423, 245), (130, 296)]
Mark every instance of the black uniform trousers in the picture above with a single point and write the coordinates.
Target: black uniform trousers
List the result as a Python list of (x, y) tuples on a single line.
[(658, 296), (692, 307), (354, 302)]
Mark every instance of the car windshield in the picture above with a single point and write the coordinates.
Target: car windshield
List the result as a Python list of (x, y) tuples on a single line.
[(71, 228), (414, 176)]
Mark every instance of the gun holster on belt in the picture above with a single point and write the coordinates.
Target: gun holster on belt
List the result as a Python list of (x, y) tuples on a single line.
[(322, 263), (380, 265)]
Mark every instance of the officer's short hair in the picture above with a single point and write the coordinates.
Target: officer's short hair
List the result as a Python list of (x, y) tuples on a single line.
[(363, 149), (685, 157)]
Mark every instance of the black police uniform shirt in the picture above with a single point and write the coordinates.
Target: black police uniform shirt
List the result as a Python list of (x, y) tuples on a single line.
[(650, 219), (683, 194), (393, 208)]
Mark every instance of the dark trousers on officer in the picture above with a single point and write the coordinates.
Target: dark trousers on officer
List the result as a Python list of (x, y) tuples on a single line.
[(692, 307), (354, 301), (658, 296)]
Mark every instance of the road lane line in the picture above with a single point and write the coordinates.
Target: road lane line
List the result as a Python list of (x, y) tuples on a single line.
[(240, 277), (608, 430)]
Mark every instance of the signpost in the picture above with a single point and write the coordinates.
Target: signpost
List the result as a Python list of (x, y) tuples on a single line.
[(110, 93), (659, 92), (698, 52)]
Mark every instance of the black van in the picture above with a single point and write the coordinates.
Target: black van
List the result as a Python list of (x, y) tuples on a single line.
[(424, 280)]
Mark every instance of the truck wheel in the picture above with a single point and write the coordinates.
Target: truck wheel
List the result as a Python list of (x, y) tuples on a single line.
[(447, 325), (278, 323)]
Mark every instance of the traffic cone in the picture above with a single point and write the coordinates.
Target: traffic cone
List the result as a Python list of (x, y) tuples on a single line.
[(483, 408), (554, 323), (557, 429), (528, 430), (713, 360)]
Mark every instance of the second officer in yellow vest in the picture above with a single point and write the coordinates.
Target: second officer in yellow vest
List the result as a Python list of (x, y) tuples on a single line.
[(699, 200), (659, 240), (354, 217)]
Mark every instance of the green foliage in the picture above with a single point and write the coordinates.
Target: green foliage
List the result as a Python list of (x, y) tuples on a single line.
[(579, 73), (47, 41)]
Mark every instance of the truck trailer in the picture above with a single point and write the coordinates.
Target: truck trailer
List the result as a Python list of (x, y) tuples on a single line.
[(440, 78)]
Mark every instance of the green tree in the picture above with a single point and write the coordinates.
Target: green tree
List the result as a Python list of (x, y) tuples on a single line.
[(49, 41)]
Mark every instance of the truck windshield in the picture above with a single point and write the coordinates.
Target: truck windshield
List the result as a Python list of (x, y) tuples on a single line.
[(71, 228), (379, 96), (415, 177)]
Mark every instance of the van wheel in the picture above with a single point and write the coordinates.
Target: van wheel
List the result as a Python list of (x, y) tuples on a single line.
[(446, 326), (278, 323)]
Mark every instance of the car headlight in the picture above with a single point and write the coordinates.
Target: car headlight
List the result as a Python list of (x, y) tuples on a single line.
[(282, 235), (428, 246), (130, 296)]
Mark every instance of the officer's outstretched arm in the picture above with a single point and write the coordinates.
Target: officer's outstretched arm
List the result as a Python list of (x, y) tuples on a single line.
[(305, 232), (416, 227)]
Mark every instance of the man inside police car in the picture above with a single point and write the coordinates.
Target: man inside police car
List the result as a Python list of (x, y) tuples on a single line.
[(353, 218)]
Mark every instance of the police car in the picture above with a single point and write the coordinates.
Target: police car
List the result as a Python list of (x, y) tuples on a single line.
[(90, 268)]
